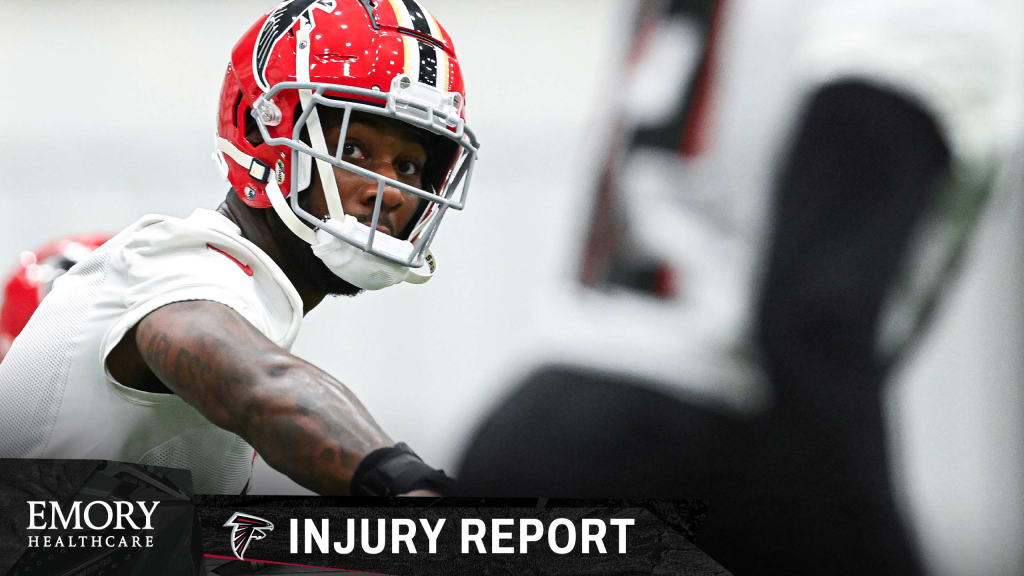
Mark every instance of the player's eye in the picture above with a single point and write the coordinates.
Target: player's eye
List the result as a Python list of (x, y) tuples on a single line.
[(352, 150), (408, 168)]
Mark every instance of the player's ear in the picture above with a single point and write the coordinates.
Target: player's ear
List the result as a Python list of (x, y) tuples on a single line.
[(252, 129)]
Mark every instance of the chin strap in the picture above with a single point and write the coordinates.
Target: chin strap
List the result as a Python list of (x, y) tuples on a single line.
[(424, 273), (273, 191), (313, 125)]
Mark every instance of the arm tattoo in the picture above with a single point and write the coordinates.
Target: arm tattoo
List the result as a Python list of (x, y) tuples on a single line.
[(302, 421), (158, 347)]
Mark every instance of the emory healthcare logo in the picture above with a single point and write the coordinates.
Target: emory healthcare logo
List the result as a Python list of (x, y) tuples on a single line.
[(96, 518), (244, 529)]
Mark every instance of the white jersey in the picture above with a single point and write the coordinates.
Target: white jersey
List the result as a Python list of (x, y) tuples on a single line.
[(57, 400)]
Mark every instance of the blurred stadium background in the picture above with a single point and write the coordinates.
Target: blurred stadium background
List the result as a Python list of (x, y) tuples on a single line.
[(108, 113)]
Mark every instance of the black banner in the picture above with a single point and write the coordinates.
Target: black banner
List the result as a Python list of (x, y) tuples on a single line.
[(91, 517)]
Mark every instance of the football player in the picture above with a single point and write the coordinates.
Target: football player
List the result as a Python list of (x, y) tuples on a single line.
[(738, 336), (33, 278), (342, 132)]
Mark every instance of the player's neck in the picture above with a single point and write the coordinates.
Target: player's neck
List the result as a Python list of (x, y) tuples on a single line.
[(254, 228)]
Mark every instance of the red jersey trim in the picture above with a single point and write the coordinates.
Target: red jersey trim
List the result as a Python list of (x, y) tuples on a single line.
[(246, 269)]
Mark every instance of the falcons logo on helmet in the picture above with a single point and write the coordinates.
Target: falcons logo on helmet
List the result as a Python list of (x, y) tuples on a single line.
[(274, 28), (244, 529)]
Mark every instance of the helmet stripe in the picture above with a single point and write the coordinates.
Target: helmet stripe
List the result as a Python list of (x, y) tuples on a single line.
[(442, 71), (412, 56), (411, 66), (401, 14), (418, 16), (435, 29), (428, 64), (424, 22)]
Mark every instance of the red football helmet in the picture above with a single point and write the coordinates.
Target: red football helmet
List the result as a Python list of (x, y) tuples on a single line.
[(33, 278), (385, 57)]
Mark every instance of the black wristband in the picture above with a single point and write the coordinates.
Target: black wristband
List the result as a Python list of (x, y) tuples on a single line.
[(396, 470)]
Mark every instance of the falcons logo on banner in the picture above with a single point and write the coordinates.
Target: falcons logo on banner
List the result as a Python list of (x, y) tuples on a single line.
[(244, 529)]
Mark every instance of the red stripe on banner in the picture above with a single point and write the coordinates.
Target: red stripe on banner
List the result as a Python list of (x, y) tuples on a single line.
[(217, 557)]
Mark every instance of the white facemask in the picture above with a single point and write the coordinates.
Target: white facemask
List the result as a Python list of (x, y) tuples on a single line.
[(363, 269)]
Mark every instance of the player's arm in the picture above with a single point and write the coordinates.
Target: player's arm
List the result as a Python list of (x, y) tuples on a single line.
[(302, 421), (865, 166)]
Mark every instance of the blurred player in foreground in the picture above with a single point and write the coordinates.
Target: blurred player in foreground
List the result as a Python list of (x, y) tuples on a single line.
[(737, 338), (342, 131)]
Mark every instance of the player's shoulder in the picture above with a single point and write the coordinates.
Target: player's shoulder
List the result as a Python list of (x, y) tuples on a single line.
[(203, 248), (204, 256), (156, 233), (205, 240), (951, 57), (939, 33)]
